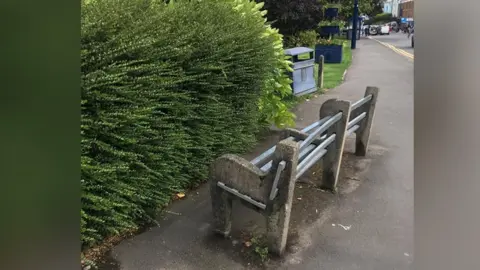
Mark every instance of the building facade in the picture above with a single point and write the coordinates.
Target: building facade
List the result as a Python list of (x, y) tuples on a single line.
[(406, 9), (387, 6), (395, 11), (391, 6)]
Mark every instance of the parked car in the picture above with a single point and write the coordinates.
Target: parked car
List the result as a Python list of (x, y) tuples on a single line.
[(385, 30), (394, 26), (374, 30)]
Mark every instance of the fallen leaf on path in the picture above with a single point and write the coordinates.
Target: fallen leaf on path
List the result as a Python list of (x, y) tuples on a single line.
[(299, 199), (248, 244), (180, 195)]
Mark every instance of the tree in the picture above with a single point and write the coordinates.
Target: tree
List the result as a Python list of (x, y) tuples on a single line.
[(364, 7), (368, 7), (377, 7), (293, 16)]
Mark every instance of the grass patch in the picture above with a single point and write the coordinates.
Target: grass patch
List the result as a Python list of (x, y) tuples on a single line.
[(333, 73)]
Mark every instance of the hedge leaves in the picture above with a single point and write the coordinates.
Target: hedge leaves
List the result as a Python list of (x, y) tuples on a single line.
[(165, 89)]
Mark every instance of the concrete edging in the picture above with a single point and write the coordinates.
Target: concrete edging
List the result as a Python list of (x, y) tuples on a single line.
[(344, 74)]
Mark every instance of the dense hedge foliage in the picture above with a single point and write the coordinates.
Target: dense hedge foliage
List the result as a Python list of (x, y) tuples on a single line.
[(303, 39), (276, 88), (165, 89)]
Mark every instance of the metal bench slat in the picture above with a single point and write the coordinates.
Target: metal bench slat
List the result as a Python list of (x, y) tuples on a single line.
[(351, 130), (360, 102), (310, 162), (318, 149), (302, 154), (305, 152), (321, 130), (274, 191), (316, 124), (356, 120), (242, 196)]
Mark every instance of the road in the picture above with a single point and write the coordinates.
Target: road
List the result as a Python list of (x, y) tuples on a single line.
[(367, 225), (398, 40)]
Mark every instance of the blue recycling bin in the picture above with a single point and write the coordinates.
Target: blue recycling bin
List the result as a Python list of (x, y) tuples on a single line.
[(303, 75), (331, 13), (332, 54)]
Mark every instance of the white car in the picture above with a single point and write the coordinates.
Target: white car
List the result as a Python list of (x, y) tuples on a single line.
[(385, 30)]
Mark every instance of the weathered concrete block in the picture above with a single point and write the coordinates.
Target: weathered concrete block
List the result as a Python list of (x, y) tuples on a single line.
[(333, 158), (279, 210), (362, 134), (239, 174), (236, 173), (221, 209)]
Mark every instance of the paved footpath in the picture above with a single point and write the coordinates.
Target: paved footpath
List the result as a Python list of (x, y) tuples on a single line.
[(368, 225)]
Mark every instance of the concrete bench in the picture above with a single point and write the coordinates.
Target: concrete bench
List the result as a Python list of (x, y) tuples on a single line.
[(266, 183)]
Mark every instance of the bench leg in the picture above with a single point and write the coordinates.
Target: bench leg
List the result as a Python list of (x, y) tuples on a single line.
[(362, 136), (222, 210), (277, 229), (278, 218), (333, 159)]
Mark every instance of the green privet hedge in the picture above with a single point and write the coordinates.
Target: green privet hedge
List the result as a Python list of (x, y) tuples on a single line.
[(277, 86), (165, 89), (303, 39)]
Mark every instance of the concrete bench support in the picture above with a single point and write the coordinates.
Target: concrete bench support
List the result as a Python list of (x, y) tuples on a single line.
[(239, 174), (362, 134), (333, 159), (279, 210)]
